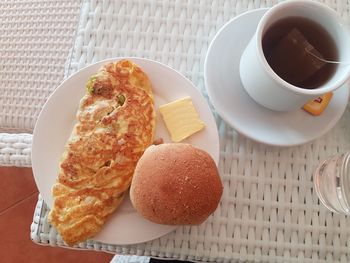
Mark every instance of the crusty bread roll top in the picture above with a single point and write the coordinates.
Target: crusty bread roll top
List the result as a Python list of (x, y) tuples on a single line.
[(176, 184)]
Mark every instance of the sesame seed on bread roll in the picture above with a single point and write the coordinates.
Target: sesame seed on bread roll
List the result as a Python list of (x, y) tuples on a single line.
[(175, 184)]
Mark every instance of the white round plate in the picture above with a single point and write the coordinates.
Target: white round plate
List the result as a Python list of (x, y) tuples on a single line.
[(222, 80), (56, 121)]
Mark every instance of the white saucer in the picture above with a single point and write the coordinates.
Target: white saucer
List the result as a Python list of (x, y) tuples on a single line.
[(222, 81)]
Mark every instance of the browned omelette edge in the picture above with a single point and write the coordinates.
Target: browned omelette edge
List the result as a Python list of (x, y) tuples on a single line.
[(86, 197)]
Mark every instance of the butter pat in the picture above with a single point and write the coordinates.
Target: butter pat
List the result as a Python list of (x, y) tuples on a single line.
[(181, 119)]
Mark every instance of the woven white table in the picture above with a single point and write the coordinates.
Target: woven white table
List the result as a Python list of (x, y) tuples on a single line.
[(269, 211), (35, 39)]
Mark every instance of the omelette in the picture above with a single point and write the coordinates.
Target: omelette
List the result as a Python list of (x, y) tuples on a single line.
[(115, 124)]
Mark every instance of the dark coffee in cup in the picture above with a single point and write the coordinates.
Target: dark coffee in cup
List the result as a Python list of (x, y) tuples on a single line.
[(296, 47)]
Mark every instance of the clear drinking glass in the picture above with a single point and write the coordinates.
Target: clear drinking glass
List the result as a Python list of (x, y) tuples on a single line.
[(332, 183)]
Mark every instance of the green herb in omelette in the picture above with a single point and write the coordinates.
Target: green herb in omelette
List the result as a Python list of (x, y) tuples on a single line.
[(90, 84), (121, 99)]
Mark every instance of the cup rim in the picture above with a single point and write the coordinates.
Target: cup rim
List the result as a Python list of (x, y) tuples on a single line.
[(266, 17)]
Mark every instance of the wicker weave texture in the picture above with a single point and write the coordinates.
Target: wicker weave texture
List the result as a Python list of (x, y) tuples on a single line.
[(35, 39), (15, 149), (269, 211), (130, 259)]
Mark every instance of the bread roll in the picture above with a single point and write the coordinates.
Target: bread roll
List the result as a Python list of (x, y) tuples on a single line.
[(175, 184)]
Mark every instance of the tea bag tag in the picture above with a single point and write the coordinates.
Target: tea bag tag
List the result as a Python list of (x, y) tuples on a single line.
[(302, 65)]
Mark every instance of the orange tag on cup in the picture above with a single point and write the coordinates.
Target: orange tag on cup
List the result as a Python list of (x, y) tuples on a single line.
[(317, 106)]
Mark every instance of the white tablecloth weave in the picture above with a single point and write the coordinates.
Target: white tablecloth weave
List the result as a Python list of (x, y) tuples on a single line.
[(269, 211)]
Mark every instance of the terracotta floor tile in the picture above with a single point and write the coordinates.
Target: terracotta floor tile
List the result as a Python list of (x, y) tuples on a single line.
[(16, 246), (15, 184)]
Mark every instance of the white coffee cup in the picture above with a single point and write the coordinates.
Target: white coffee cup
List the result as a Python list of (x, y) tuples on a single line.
[(264, 85)]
